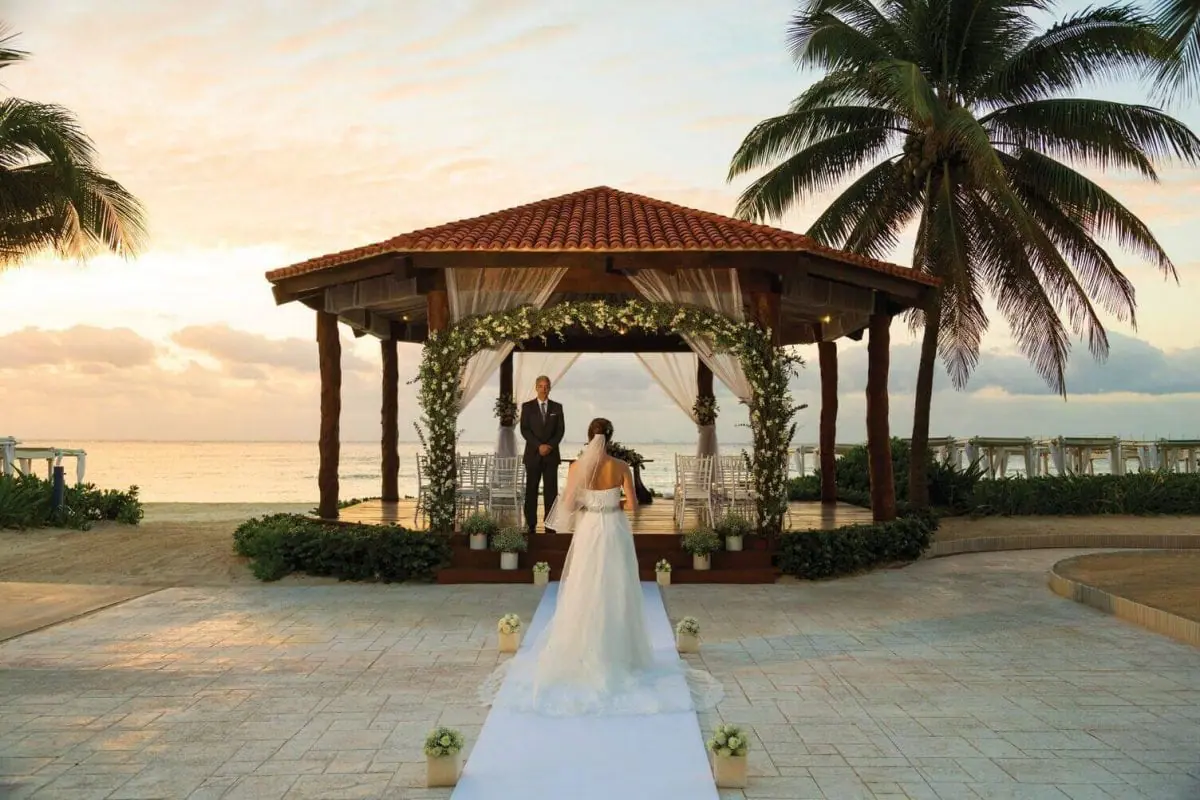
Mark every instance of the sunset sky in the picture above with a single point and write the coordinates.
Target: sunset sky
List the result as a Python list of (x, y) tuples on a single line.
[(262, 133)]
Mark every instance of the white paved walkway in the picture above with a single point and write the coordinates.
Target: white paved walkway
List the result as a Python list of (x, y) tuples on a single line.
[(954, 678)]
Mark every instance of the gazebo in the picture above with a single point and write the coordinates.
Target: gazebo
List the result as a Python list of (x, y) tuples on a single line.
[(601, 243)]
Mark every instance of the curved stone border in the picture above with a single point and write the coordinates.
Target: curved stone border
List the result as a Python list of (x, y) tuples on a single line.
[(987, 544), (1155, 619)]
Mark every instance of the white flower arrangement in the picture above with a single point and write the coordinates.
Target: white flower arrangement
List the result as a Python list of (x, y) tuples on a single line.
[(767, 368), (442, 742), (689, 626), (509, 624), (663, 566), (729, 740), (541, 567)]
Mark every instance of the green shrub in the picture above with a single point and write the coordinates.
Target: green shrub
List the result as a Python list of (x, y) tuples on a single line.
[(1082, 495), (481, 522), (25, 502), (702, 542), (731, 524), (510, 540), (950, 486), (855, 548), (279, 544)]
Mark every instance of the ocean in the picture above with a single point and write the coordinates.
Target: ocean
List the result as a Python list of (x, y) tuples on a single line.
[(284, 472)]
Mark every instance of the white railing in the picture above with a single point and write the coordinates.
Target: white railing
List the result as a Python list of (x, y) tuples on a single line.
[(17, 458)]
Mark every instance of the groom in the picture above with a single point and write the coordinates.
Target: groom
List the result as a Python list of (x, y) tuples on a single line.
[(543, 427)]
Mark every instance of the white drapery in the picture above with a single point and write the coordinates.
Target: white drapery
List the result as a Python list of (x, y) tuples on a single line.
[(717, 289), (487, 291), (528, 366), (676, 374)]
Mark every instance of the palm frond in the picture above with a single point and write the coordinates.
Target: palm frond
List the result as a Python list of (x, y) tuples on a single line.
[(781, 136), (1179, 25)]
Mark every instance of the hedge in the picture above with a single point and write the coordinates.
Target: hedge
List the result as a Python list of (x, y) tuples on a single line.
[(855, 548), (1142, 493), (280, 544), (26, 501)]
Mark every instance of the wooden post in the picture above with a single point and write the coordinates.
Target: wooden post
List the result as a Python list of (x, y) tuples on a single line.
[(766, 309), (704, 381), (879, 444), (506, 376), (437, 304), (828, 355), (329, 350), (390, 413)]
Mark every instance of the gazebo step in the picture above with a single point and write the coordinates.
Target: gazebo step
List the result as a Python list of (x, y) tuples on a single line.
[(454, 575), (465, 558)]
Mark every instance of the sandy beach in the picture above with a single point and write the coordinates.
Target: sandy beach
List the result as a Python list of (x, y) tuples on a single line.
[(190, 544)]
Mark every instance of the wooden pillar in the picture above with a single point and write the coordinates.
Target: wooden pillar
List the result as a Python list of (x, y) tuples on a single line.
[(704, 381), (506, 377), (766, 309), (329, 350), (437, 304), (879, 445), (828, 355), (390, 414)]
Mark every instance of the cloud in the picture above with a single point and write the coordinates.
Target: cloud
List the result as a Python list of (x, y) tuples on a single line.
[(89, 348), (239, 349)]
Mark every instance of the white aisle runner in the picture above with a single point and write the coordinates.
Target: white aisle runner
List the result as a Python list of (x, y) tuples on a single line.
[(659, 756)]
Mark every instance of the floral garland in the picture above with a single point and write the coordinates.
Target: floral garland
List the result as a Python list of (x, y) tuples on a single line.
[(768, 370), (505, 408), (705, 409)]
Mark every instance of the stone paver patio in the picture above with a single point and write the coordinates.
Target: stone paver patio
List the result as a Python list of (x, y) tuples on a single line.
[(951, 679)]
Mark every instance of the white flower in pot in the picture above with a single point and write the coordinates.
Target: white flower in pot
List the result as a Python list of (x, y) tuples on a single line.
[(733, 528), (687, 635), (541, 573), (509, 627), (510, 542), (478, 528), (662, 572), (701, 543), (728, 748), (443, 753)]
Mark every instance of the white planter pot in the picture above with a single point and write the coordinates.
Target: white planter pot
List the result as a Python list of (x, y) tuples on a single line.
[(733, 543), (702, 562), (479, 541), (729, 771), (687, 643), (442, 771), (510, 642), (663, 578), (541, 578), (509, 560)]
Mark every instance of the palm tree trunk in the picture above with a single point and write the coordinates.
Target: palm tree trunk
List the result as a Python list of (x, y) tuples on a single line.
[(828, 355), (879, 443), (918, 462)]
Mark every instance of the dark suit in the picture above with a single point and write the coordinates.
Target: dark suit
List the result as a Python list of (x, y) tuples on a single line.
[(538, 431)]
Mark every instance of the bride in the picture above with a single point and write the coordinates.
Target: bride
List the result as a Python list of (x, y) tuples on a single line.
[(595, 656)]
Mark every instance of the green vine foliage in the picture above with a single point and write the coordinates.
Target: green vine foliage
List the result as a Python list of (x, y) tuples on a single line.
[(767, 368)]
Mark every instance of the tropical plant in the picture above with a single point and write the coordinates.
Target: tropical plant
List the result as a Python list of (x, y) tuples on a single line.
[(53, 196), (962, 117), (1179, 25)]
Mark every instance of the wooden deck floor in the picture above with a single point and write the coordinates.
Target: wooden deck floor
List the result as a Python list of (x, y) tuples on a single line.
[(654, 518)]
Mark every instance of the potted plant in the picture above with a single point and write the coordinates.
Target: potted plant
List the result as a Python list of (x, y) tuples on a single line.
[(509, 628), (732, 528), (687, 635), (662, 572), (701, 543), (728, 747), (479, 527), (541, 573), (443, 749), (510, 542)]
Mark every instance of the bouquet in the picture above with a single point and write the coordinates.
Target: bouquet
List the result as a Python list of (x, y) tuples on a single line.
[(728, 740), (443, 742), (541, 566), (662, 566), (689, 626), (509, 623), (705, 409), (510, 540)]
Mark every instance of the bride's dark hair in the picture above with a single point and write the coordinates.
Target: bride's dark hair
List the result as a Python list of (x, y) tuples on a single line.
[(600, 426)]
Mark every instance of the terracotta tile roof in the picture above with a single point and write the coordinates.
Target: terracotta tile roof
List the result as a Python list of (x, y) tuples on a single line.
[(598, 220)]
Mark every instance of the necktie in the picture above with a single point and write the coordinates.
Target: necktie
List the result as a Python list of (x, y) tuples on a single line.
[(543, 412)]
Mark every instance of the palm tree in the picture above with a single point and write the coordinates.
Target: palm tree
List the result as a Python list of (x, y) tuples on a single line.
[(960, 112), (1179, 24), (53, 197)]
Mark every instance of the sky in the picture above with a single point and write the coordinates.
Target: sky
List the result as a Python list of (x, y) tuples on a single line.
[(260, 134)]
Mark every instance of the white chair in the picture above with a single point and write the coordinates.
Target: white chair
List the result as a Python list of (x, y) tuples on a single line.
[(422, 509), (506, 491), (469, 486), (693, 487), (733, 487)]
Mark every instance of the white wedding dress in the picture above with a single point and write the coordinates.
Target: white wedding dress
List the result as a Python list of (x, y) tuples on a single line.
[(595, 656)]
